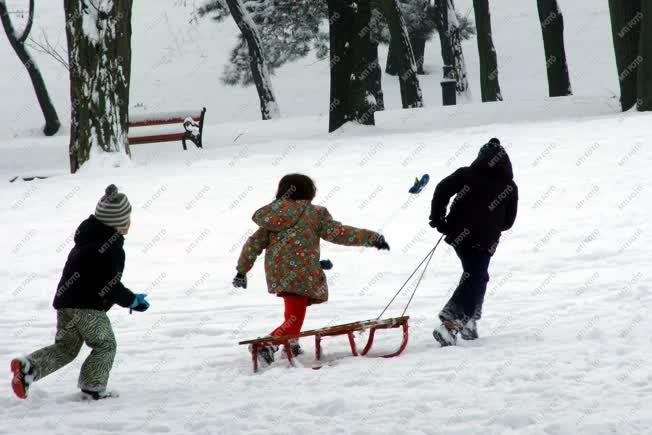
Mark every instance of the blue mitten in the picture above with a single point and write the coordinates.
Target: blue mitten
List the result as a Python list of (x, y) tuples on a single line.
[(139, 303)]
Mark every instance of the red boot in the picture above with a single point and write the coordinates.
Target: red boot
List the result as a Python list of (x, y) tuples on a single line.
[(22, 377)]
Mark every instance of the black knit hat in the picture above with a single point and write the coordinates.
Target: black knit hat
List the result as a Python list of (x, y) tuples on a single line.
[(113, 209)]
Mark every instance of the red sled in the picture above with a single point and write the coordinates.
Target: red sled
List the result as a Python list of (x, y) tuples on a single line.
[(331, 331)]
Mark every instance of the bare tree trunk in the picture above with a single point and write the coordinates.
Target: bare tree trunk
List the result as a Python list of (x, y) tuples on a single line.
[(419, 48), (52, 123), (351, 63), (375, 78), (268, 106), (411, 96), (459, 65), (363, 102), (489, 85), (644, 73), (391, 66), (626, 19), (552, 27), (441, 11), (99, 55)]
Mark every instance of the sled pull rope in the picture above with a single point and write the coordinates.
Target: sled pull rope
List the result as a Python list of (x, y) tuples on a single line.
[(426, 260)]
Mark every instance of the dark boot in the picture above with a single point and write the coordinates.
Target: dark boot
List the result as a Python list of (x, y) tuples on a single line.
[(295, 348), (446, 333), (97, 395), (470, 330), (265, 353)]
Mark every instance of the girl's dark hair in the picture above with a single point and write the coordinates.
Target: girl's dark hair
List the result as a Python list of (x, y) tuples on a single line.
[(296, 186)]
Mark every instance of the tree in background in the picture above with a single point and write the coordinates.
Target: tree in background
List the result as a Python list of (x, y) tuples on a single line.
[(552, 27), (257, 61), (489, 85), (351, 96), (17, 41), (420, 21), (631, 28), (99, 56), (411, 96), (285, 37), (644, 75), (452, 30)]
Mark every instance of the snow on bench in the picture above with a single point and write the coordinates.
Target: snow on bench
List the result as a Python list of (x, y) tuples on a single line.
[(191, 122)]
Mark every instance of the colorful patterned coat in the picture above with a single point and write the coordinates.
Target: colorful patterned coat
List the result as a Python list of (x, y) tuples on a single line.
[(290, 232)]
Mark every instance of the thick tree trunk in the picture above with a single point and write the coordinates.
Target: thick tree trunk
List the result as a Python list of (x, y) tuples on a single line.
[(419, 49), (626, 19), (411, 96), (268, 106), (340, 21), (52, 123), (644, 73), (99, 55), (363, 102), (552, 28), (489, 84), (351, 98), (353, 66)]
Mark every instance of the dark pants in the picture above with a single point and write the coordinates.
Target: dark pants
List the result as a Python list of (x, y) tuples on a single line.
[(467, 299)]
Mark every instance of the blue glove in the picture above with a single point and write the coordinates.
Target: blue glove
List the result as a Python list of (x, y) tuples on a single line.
[(139, 303)]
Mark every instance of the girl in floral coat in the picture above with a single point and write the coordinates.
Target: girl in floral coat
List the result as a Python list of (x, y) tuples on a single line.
[(290, 229)]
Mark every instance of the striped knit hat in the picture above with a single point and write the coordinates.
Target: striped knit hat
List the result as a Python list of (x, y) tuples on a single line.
[(114, 208)]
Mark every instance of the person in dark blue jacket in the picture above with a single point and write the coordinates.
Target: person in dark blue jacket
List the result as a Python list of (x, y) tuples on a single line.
[(485, 204), (91, 283)]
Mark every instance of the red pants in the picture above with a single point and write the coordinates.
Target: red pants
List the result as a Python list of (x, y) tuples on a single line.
[(295, 312)]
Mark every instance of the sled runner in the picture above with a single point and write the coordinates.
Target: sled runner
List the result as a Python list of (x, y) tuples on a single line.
[(346, 329)]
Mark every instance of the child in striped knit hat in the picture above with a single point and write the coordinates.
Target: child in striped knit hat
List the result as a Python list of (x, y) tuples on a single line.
[(90, 285)]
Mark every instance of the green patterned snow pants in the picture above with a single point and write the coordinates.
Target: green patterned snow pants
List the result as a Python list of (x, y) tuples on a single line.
[(75, 327)]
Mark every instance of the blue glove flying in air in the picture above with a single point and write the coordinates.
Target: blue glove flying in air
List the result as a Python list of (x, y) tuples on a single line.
[(139, 303)]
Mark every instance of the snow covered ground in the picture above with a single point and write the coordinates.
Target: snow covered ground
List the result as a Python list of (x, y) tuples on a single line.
[(565, 344)]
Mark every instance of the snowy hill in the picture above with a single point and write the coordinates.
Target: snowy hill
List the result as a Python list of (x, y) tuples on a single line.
[(565, 336)]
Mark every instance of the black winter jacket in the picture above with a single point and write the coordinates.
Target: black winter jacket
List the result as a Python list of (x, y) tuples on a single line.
[(485, 203), (92, 274)]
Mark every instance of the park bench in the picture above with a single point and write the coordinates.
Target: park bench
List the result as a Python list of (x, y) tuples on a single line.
[(346, 329), (190, 127)]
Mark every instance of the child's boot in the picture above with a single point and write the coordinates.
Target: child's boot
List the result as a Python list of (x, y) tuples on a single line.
[(446, 333), (23, 377), (265, 353), (470, 330), (97, 395), (295, 347)]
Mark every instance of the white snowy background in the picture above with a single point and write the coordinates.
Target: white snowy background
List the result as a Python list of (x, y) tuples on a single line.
[(565, 342)]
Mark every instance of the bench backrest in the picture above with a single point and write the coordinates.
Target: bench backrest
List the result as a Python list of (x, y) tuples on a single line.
[(163, 118)]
